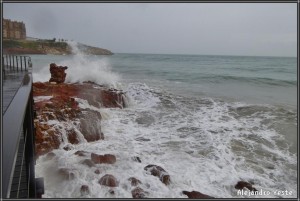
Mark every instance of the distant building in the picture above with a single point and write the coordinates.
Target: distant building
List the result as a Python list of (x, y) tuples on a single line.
[(13, 29)]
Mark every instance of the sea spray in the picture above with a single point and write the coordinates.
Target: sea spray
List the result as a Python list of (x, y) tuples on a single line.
[(81, 67)]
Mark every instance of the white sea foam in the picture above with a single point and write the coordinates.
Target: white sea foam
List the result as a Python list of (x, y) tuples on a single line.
[(203, 144), (41, 98)]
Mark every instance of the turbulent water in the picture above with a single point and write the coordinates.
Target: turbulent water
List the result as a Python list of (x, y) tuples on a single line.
[(209, 121)]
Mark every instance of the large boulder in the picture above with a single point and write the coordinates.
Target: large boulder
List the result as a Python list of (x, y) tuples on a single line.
[(196, 195), (90, 125), (58, 74), (159, 172)]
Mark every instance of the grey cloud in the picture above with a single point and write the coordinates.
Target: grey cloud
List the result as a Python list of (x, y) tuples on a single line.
[(185, 28)]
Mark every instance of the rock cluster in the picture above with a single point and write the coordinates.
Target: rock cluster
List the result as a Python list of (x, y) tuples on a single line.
[(63, 107)]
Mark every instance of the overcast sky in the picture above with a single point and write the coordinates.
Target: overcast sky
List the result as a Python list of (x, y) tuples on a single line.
[(262, 29)]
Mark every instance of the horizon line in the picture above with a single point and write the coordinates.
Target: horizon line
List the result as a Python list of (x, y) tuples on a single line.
[(205, 54)]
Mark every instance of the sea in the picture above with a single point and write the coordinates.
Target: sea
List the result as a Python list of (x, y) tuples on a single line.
[(208, 120)]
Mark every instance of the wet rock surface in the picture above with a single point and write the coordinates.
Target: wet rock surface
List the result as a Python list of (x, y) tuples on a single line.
[(159, 172), (84, 190), (108, 180), (106, 158), (138, 193), (134, 181), (88, 162), (61, 106), (196, 195), (81, 153), (243, 184)]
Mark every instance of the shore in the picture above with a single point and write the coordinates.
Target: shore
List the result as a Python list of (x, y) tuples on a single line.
[(48, 47), (68, 115)]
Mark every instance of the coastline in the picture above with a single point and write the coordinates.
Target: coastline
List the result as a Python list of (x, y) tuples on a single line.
[(48, 47)]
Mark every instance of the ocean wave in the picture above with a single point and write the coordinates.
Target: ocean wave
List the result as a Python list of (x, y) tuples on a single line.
[(253, 80)]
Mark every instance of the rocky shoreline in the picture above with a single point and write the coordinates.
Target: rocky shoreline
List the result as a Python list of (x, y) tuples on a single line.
[(48, 47), (57, 103)]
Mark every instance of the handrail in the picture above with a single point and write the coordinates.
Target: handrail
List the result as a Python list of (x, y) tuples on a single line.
[(13, 123), (16, 62)]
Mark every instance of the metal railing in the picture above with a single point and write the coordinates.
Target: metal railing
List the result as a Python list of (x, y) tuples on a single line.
[(15, 63), (18, 128)]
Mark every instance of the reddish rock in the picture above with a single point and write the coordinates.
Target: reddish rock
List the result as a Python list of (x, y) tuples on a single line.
[(138, 193), (88, 162), (95, 95), (196, 195), (72, 136), (84, 190), (66, 174), (118, 98), (81, 153), (158, 172), (45, 140), (134, 181), (243, 184), (108, 180), (63, 107), (58, 74), (106, 158)]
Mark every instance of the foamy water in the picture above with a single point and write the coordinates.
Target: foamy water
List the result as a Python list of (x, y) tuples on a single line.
[(205, 144)]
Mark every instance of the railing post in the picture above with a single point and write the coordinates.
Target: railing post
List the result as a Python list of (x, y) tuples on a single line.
[(13, 58), (17, 63), (21, 63), (9, 62), (25, 62), (3, 66)]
